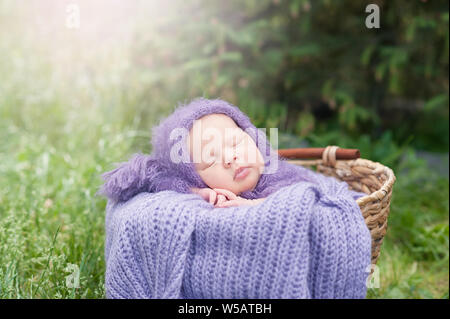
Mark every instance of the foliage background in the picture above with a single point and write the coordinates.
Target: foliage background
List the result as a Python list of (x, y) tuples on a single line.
[(74, 101)]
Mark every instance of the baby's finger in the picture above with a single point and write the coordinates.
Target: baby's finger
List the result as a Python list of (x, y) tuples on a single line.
[(229, 203), (221, 198), (229, 194), (212, 197)]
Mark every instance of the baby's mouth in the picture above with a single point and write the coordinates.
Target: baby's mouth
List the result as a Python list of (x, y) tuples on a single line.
[(241, 173)]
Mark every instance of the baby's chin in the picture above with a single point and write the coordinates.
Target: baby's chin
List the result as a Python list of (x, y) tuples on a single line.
[(249, 183)]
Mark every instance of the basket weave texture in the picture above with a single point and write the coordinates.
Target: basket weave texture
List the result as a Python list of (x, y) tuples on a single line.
[(362, 175)]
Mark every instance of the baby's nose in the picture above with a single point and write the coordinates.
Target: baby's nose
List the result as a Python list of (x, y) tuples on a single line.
[(229, 161)]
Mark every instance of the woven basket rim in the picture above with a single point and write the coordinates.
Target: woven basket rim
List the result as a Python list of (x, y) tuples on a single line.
[(377, 167)]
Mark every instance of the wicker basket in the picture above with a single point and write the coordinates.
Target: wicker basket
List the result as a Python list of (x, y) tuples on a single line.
[(372, 178)]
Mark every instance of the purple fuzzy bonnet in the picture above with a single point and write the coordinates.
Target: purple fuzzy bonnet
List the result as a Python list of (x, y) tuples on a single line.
[(157, 172)]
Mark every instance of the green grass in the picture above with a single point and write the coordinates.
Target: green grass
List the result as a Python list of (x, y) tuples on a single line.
[(414, 258), (64, 122)]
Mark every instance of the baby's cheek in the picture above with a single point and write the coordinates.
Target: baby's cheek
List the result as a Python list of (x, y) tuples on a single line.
[(216, 178), (259, 160), (257, 175), (249, 155)]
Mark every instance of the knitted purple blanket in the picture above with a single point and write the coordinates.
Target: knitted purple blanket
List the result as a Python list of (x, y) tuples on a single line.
[(306, 240)]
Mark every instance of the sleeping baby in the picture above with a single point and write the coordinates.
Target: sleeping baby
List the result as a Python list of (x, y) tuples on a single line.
[(209, 148), (227, 168)]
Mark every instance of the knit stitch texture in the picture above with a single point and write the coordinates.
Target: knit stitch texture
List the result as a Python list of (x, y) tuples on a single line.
[(306, 240)]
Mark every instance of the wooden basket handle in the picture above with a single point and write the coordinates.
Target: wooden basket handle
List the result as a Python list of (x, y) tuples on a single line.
[(317, 153)]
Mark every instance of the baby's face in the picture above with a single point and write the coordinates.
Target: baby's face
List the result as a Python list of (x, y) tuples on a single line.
[(225, 156)]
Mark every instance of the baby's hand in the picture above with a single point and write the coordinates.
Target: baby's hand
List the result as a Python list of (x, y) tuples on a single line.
[(239, 201), (206, 193), (234, 200)]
